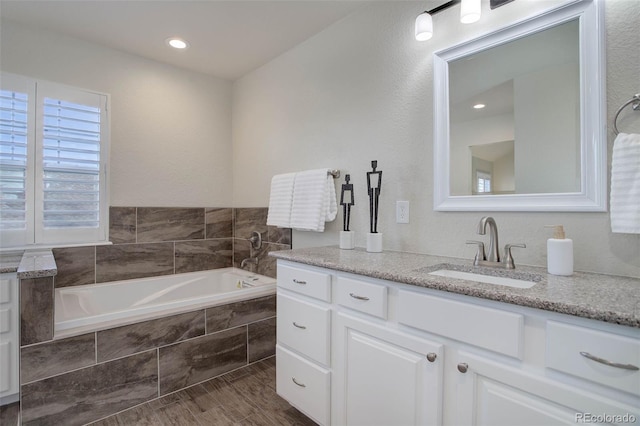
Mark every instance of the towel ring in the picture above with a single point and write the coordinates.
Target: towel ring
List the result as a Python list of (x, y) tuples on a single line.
[(635, 101)]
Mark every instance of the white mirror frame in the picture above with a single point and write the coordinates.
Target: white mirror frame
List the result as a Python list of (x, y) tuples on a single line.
[(593, 126)]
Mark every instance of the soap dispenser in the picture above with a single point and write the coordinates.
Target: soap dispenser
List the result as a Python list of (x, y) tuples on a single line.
[(559, 252)]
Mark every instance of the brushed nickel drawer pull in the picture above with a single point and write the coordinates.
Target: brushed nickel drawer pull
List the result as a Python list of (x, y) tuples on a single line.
[(431, 357), (299, 326), (299, 282), (355, 296), (463, 367), (609, 363), (299, 384)]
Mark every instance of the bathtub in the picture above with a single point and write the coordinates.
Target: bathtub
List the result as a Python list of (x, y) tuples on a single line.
[(80, 309)]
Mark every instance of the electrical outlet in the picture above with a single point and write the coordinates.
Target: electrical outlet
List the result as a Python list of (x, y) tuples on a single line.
[(402, 212)]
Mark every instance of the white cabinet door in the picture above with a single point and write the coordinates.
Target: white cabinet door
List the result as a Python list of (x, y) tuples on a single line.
[(9, 337), (492, 393), (384, 377)]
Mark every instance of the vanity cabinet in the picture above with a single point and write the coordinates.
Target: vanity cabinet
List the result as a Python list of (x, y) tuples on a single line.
[(403, 354), (384, 377), (492, 393), (9, 337), (303, 349)]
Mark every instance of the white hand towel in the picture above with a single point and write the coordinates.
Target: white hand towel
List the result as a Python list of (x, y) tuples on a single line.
[(280, 200), (625, 184), (314, 200)]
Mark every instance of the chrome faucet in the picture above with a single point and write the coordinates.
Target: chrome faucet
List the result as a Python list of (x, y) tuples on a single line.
[(493, 257), (493, 254), (244, 262)]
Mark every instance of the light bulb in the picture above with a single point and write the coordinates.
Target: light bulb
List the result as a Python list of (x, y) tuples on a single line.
[(470, 11), (177, 43), (424, 27)]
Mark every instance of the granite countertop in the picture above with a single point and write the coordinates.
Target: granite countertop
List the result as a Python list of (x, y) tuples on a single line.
[(606, 298), (37, 264), (10, 261)]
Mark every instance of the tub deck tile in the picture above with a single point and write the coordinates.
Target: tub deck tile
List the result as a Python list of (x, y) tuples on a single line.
[(129, 339), (262, 339), (36, 310), (76, 266), (196, 360), (56, 357), (91, 393), (240, 313)]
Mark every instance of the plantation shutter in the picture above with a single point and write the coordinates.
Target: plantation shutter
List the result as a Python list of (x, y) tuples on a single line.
[(13, 160), (72, 163), (53, 164)]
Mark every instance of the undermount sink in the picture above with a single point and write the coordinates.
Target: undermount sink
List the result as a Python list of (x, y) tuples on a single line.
[(489, 279)]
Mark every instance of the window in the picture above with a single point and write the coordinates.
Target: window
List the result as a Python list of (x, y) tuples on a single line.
[(53, 163), (484, 182)]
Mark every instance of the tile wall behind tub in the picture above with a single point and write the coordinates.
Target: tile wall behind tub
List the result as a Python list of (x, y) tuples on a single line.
[(153, 241)]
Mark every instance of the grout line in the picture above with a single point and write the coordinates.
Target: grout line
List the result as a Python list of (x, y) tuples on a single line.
[(136, 221), (95, 264), (83, 368), (96, 346), (158, 359)]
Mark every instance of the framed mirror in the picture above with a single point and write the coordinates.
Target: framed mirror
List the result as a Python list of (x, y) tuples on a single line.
[(519, 116)]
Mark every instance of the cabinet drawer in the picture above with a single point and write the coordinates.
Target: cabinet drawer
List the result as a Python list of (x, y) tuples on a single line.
[(569, 349), (484, 327), (310, 283), (304, 327), (305, 385), (362, 296)]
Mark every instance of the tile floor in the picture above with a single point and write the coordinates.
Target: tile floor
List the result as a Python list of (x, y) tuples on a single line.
[(242, 397)]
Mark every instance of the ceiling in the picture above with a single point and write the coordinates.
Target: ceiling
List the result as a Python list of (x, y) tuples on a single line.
[(227, 38)]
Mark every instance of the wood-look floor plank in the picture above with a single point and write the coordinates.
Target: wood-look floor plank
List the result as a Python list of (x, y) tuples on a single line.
[(244, 397)]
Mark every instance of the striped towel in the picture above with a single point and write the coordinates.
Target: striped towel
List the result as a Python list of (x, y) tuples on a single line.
[(280, 200), (314, 200), (625, 184)]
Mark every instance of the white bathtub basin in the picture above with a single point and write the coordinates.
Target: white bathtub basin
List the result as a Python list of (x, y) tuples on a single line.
[(489, 279)]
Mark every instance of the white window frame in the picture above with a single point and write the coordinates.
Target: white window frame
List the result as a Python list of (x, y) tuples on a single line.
[(35, 233)]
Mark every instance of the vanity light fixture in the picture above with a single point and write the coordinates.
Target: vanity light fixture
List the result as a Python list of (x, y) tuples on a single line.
[(470, 11), (177, 43)]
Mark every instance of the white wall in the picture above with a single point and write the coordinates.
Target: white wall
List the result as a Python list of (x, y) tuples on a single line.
[(362, 90), (170, 128)]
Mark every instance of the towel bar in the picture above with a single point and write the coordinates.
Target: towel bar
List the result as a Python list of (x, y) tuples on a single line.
[(335, 173), (635, 104)]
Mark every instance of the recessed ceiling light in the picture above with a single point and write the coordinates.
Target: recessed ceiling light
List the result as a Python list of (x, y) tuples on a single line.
[(479, 106), (177, 43)]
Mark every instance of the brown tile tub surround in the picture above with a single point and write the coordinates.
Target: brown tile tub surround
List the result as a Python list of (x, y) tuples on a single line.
[(193, 361), (36, 310), (88, 394), (130, 339), (240, 313), (273, 239), (56, 357), (154, 241), (83, 378)]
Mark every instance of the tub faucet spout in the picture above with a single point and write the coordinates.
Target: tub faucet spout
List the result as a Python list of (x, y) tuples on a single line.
[(244, 262)]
